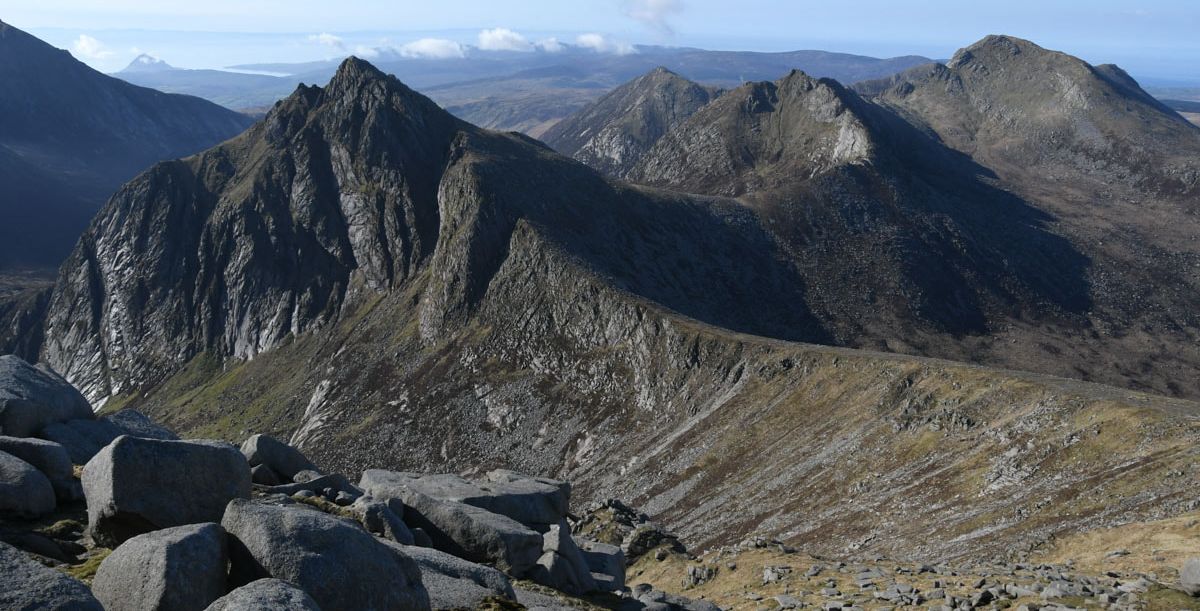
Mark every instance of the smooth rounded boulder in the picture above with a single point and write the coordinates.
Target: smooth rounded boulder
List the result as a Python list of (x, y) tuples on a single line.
[(24, 491), (51, 459), (136, 485), (284, 460), (32, 397), (263, 595), (321, 555), (25, 584), (180, 568)]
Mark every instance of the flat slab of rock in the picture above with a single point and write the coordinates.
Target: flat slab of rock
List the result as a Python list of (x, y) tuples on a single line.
[(454, 583), (25, 584), (32, 397), (24, 491), (180, 568), (136, 485), (463, 530), (605, 560), (263, 595), (282, 458), (528, 500), (321, 555)]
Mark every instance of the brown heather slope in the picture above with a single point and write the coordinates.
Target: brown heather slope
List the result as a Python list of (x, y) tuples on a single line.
[(392, 287)]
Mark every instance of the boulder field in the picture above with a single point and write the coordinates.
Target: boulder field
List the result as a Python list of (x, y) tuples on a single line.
[(148, 521)]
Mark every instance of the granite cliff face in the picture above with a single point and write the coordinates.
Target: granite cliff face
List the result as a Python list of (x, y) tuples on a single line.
[(389, 286)]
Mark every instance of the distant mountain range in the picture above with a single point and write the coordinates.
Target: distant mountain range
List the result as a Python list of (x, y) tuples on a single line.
[(512, 90), (69, 136)]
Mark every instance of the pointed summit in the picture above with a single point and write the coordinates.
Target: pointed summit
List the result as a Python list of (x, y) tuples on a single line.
[(615, 131), (353, 73), (147, 63)]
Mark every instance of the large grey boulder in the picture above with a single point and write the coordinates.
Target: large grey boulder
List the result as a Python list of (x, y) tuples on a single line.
[(265, 595), (528, 500), (32, 397), (321, 555), (180, 568), (1189, 576), (27, 585), (84, 438), (607, 563), (464, 530), (138, 485), (51, 459), (24, 491), (282, 458), (454, 583), (562, 566)]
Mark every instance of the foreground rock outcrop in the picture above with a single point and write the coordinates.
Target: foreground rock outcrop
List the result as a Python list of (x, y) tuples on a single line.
[(181, 568)]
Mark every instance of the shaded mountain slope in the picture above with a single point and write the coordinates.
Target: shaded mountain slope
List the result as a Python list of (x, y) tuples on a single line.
[(613, 133), (87, 133)]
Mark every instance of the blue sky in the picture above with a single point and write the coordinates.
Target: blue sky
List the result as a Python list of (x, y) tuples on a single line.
[(1155, 39)]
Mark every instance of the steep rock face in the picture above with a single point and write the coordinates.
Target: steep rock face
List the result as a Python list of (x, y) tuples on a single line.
[(83, 133), (613, 133), (804, 125), (357, 189)]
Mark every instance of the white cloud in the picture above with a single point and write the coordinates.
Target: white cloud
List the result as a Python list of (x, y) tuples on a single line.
[(503, 39), (550, 45), (654, 13), (86, 47), (329, 40), (365, 52), (432, 48), (602, 44)]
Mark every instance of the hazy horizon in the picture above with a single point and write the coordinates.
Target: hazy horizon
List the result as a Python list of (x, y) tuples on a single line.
[(1155, 41)]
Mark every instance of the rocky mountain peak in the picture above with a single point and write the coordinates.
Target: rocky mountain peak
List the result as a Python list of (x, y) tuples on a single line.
[(147, 63), (994, 47), (614, 132)]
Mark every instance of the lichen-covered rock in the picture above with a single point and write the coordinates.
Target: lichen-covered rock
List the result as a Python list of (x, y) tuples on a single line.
[(282, 458), (138, 485), (173, 569), (24, 491), (265, 595), (27, 585), (322, 555), (32, 397)]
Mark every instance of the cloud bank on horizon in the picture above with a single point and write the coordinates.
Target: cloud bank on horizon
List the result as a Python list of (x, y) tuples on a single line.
[(1148, 37)]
